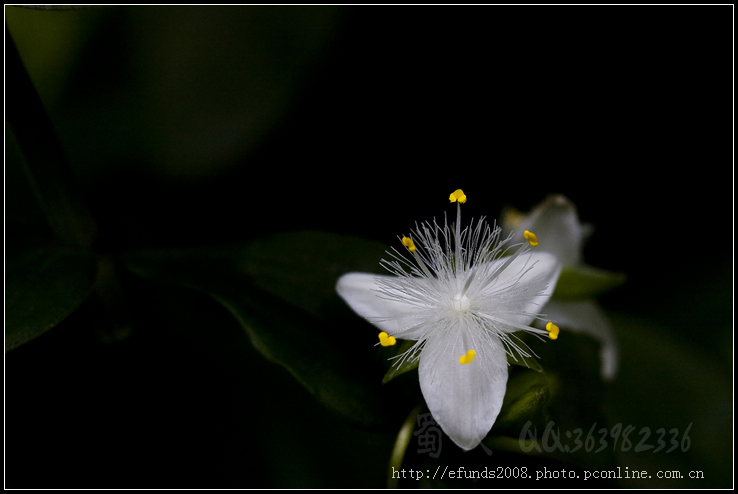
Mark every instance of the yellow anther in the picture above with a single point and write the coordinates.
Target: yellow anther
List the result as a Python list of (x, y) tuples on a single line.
[(458, 195), (531, 237), (553, 330), (386, 340), (467, 359), (408, 242)]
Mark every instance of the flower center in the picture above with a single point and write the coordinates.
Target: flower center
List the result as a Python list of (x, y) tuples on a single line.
[(461, 302)]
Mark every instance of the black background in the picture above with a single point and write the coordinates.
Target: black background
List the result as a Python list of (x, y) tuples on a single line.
[(383, 112)]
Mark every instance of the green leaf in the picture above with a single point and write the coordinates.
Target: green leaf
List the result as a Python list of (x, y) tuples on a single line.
[(281, 289), (303, 346), (42, 288), (407, 365), (677, 403), (303, 267), (580, 282), (46, 165), (528, 362), (525, 400)]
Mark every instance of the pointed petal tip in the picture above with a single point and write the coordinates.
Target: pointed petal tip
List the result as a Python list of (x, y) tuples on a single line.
[(465, 400)]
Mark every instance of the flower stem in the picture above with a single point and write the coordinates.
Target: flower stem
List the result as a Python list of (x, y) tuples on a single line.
[(401, 443)]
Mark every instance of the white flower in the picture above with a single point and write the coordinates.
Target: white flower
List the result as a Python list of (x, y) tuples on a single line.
[(556, 218), (461, 301)]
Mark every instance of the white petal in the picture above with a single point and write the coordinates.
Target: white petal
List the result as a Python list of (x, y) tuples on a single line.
[(360, 291), (464, 399), (541, 279), (556, 224), (586, 316)]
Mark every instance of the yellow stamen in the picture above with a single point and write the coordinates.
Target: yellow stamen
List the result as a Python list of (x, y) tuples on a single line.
[(458, 195), (531, 237), (408, 242), (386, 340), (467, 359), (553, 330)]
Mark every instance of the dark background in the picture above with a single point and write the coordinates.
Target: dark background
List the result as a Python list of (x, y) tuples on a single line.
[(207, 126)]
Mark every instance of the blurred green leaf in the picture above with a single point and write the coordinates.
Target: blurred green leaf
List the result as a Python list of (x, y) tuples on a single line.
[(303, 267), (46, 165), (525, 401), (668, 391), (281, 290), (303, 346), (42, 288), (577, 282)]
